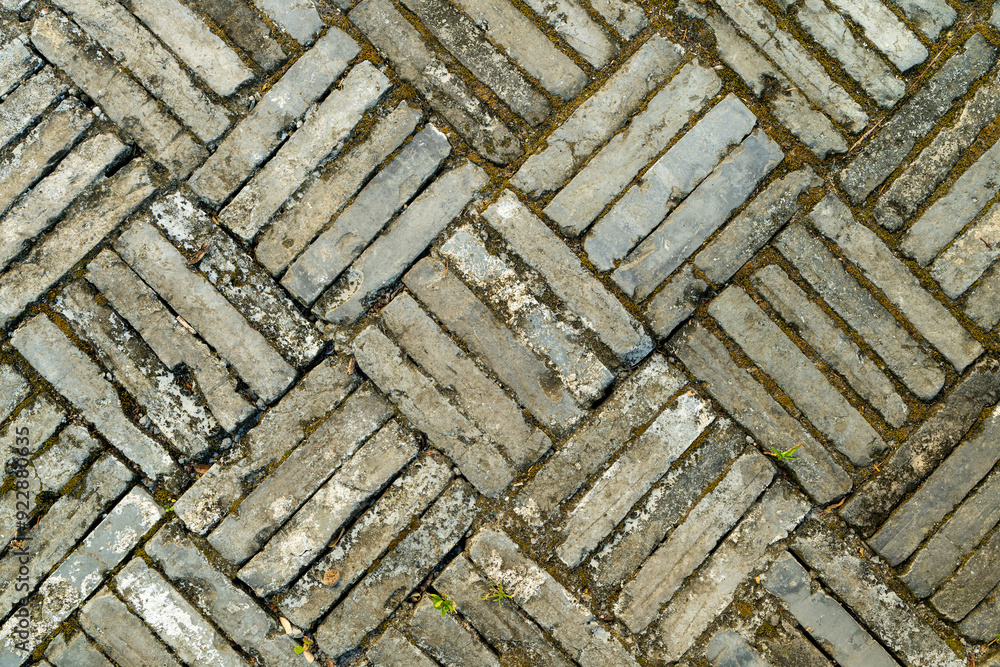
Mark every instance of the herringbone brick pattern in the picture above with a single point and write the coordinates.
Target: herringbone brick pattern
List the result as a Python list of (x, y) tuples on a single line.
[(499, 332)]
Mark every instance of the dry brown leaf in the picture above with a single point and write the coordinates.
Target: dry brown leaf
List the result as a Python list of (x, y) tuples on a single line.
[(201, 468), (286, 624)]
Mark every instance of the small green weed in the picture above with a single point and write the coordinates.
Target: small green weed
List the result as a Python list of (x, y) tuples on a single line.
[(306, 643), (496, 593), (783, 456), (443, 604)]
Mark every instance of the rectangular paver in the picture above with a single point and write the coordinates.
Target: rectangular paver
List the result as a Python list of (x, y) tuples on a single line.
[(577, 287), (322, 135), (163, 267), (477, 456), (74, 237), (257, 135)]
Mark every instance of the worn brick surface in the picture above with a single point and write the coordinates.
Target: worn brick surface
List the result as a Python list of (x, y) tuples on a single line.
[(623, 332)]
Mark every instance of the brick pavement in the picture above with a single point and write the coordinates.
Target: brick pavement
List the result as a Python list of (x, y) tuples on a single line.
[(645, 332)]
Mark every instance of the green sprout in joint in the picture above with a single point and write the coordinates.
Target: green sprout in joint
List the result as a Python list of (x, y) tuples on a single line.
[(443, 604), (783, 456), (306, 642), (496, 593)]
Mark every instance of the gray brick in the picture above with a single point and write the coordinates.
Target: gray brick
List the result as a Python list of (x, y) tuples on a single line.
[(750, 404), (66, 522), (796, 375), (232, 271), (74, 237), (728, 649), (478, 396), (939, 495), (527, 45), (617, 163), (173, 344), (666, 504), (955, 540), (163, 267), (968, 258), (447, 94), (920, 454), (124, 101), (199, 48), (887, 148), (185, 424), (76, 652), (298, 19), (836, 348), (463, 39), (664, 572), (594, 121), (980, 624), (459, 310), (678, 298), (322, 135), (861, 586), (512, 635), (234, 611), (389, 583), (670, 179), (13, 389), (427, 410), (393, 648), (511, 297), (827, 622), (242, 25), (540, 248), (305, 215), (42, 417), (930, 16), (43, 204), (358, 224), (730, 184), (173, 618), (28, 161), (78, 379), (830, 30), (886, 32), (572, 22), (747, 233), (862, 312), (447, 639), (157, 70), (122, 636), (947, 216), (632, 405), (801, 67), (29, 101), (625, 17), (257, 135), (304, 537), (367, 539), (406, 238), (60, 463), (791, 108), (16, 62), (283, 427), (304, 471), (981, 305), (924, 173), (83, 571), (546, 601), (644, 461), (712, 589)]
